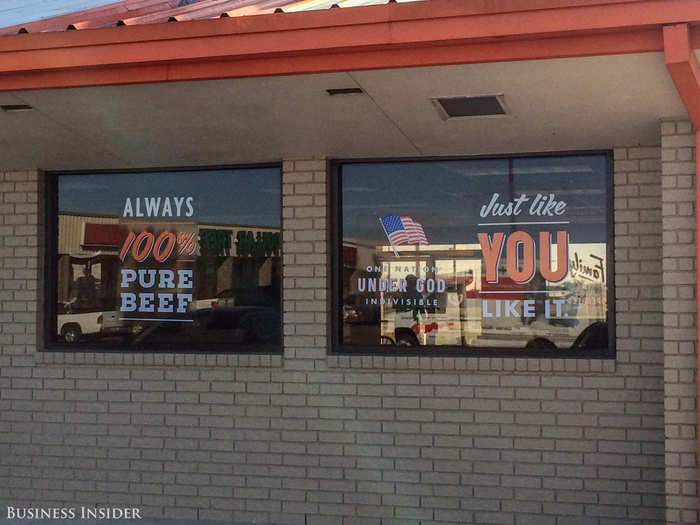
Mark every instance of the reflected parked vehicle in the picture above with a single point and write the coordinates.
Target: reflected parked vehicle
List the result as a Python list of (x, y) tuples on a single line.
[(356, 311), (593, 337), (361, 322), (220, 325), (73, 324), (231, 297)]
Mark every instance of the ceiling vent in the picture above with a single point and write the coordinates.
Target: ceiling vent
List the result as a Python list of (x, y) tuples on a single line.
[(460, 107), (344, 91), (15, 107)]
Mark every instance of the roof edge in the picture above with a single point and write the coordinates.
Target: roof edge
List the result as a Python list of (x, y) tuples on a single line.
[(390, 12), (392, 35)]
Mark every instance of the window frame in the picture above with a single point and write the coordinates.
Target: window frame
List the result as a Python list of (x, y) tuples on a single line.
[(48, 314), (336, 285)]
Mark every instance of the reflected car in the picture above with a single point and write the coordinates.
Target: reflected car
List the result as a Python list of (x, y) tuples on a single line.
[(231, 297), (74, 324), (355, 311), (220, 325), (593, 337)]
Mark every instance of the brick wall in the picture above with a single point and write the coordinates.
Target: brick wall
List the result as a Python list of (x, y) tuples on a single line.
[(680, 336), (311, 439), (305, 226)]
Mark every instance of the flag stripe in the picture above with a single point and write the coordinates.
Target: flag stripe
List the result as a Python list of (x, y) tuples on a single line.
[(415, 230), (403, 230)]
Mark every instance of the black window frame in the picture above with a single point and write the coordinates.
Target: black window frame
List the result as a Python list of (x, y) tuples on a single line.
[(336, 284), (48, 313)]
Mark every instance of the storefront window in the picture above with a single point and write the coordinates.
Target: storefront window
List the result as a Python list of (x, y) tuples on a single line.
[(179, 260), (487, 256)]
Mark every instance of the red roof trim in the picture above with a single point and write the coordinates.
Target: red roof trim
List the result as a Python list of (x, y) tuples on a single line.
[(105, 13), (158, 11), (412, 34), (607, 17), (632, 42), (683, 68)]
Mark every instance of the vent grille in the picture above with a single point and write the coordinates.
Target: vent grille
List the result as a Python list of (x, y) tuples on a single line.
[(481, 106), (15, 107), (345, 91)]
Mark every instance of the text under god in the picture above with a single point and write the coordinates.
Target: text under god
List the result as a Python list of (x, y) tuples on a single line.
[(372, 284)]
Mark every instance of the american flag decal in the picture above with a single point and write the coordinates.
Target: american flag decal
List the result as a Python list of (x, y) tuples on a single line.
[(403, 230)]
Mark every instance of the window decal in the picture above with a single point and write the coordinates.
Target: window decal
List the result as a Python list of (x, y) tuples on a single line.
[(171, 261), (476, 256)]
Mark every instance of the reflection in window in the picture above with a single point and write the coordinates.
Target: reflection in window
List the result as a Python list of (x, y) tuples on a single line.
[(184, 260), (515, 254)]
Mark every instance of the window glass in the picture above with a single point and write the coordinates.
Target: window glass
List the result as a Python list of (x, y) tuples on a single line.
[(184, 260), (480, 255)]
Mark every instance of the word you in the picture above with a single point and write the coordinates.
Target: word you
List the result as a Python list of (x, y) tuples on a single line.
[(541, 206), (520, 247), (151, 302), (158, 207)]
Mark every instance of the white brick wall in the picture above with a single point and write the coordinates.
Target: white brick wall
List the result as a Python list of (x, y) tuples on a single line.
[(304, 233), (680, 336), (312, 439)]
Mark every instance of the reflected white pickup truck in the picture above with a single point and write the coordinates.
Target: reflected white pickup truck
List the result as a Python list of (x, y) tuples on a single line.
[(75, 325)]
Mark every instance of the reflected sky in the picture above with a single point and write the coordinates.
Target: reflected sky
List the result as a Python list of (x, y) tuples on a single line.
[(18, 11), (446, 196), (236, 196)]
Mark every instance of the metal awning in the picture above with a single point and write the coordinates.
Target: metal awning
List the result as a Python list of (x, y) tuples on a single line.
[(137, 12)]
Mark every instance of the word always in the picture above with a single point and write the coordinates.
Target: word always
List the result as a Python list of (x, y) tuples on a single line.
[(159, 207)]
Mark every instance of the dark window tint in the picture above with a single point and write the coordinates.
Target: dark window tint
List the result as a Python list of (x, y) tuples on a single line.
[(479, 255), (186, 260)]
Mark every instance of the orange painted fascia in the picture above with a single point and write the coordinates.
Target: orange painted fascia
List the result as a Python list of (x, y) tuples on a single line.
[(578, 46), (393, 23), (391, 35), (471, 53), (683, 68), (685, 73)]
